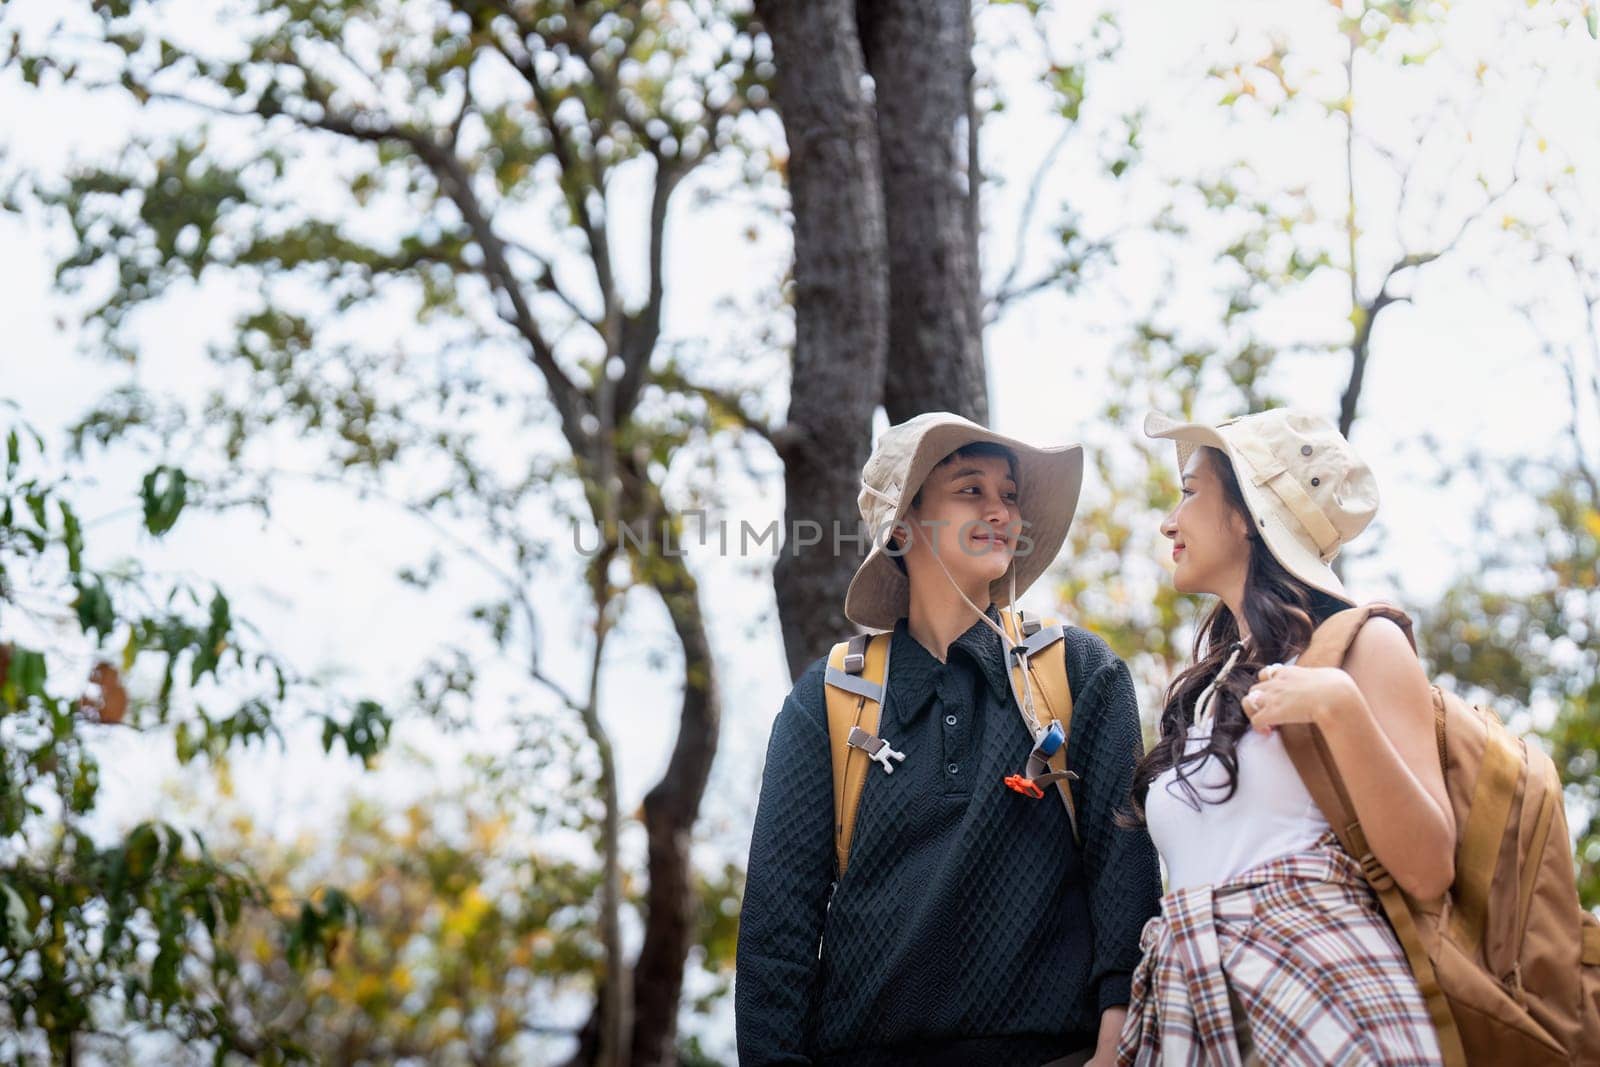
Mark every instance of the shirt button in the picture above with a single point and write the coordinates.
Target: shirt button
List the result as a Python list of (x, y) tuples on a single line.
[(952, 768), (949, 720)]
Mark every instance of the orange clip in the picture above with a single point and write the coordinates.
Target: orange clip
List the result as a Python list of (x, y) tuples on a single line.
[(1024, 785)]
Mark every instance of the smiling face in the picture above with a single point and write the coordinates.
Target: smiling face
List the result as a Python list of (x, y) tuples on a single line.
[(1210, 535), (967, 512)]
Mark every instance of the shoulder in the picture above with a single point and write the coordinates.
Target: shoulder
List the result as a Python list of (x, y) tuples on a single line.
[(1088, 656), (803, 718), (807, 700), (1105, 725), (1382, 636), (1385, 667), (1381, 647)]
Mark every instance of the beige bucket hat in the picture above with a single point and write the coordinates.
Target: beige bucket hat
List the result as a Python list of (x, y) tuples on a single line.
[(1306, 488), (1048, 482)]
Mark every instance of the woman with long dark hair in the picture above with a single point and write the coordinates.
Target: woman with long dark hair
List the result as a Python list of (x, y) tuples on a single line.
[(1270, 946)]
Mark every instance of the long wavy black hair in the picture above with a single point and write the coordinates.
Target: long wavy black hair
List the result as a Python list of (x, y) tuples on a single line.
[(1282, 611)]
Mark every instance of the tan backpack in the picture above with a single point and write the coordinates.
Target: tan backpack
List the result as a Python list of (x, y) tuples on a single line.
[(1508, 960), (854, 683)]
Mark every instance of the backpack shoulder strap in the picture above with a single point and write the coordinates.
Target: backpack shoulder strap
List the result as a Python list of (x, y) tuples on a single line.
[(1309, 753), (1051, 688), (1331, 642), (1329, 646), (853, 687)]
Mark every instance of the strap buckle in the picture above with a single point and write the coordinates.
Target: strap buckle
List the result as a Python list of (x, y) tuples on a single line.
[(1377, 874), (1049, 740), (1024, 785), (1046, 744), (876, 748), (855, 654)]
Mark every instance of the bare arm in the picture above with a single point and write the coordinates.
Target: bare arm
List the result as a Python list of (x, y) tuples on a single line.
[(1377, 717)]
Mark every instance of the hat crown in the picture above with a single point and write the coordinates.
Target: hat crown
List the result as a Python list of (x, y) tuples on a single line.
[(1048, 481), (1315, 455), (1305, 488)]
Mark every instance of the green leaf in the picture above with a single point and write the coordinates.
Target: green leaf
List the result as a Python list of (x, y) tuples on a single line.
[(17, 928), (35, 502), (72, 537), (187, 746), (130, 651), (26, 677), (95, 611), (164, 493), (142, 851), (85, 787)]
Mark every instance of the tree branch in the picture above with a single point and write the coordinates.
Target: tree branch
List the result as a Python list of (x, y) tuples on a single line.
[(454, 137), (570, 400), (594, 231), (724, 405), (1004, 291), (640, 332)]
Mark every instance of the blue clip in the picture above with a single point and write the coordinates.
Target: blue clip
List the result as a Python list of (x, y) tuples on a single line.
[(1050, 740)]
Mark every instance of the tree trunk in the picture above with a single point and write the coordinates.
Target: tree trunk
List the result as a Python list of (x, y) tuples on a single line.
[(670, 811), (919, 53), (672, 805), (841, 311), (615, 1002)]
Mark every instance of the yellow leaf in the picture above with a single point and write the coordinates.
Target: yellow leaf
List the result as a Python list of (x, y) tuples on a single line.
[(1591, 522), (368, 988), (463, 920)]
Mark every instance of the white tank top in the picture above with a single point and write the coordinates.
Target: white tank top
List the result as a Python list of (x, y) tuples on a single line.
[(1270, 814)]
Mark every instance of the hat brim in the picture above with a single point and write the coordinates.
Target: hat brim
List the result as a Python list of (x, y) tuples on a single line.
[(1049, 481), (1274, 522)]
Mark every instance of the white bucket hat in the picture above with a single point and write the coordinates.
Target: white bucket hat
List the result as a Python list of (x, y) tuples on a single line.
[(1305, 487), (1048, 482)]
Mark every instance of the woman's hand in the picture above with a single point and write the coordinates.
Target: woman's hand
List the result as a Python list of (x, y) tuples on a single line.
[(1296, 694)]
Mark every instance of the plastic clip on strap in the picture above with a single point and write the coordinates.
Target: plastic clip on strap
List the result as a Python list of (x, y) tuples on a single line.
[(875, 747), (1046, 744)]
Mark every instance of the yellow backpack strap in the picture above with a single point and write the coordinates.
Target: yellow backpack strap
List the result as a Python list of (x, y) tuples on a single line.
[(1591, 940), (1052, 696), (1488, 821), (853, 687)]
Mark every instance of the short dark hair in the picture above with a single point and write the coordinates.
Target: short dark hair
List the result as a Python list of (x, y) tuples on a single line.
[(975, 450)]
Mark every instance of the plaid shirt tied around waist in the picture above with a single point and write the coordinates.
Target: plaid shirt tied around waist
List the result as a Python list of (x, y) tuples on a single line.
[(1291, 962)]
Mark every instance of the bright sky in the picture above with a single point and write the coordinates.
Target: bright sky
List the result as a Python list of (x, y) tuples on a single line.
[(1456, 364)]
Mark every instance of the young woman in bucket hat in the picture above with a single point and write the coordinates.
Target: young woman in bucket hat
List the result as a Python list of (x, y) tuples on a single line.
[(1270, 946), (969, 927)]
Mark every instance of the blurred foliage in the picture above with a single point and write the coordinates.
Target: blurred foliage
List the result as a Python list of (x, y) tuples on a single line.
[(1524, 633), (434, 235), (106, 931), (476, 939)]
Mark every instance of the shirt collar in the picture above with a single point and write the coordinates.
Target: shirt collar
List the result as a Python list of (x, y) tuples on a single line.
[(913, 668)]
